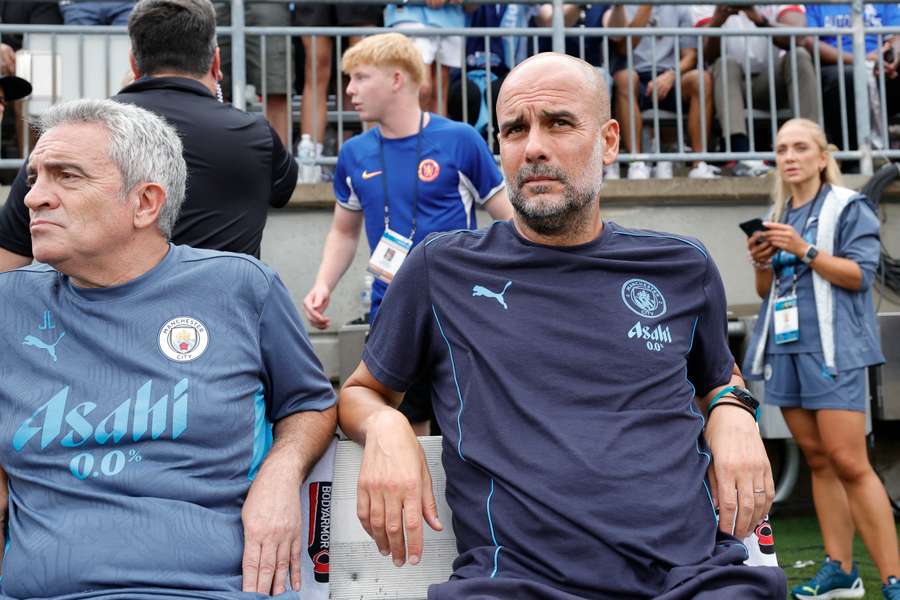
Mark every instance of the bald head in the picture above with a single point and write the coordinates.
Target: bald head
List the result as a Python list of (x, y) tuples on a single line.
[(549, 68)]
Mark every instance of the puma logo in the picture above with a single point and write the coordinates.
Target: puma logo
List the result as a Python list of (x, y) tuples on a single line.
[(480, 290), (30, 340)]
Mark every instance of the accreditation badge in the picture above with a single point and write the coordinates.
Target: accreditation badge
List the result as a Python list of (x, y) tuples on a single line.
[(389, 254), (787, 320)]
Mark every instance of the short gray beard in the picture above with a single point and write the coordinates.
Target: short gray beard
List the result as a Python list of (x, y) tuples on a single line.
[(569, 216)]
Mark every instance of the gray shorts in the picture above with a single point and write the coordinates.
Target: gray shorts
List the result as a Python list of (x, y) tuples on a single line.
[(259, 14), (801, 381)]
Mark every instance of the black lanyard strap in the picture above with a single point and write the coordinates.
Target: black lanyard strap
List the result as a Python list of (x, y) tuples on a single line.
[(384, 185)]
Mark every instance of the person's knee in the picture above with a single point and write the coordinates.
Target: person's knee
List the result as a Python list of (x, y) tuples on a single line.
[(815, 454), (848, 465)]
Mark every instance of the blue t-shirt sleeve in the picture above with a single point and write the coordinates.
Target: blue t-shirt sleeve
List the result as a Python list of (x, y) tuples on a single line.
[(710, 362), (479, 166), (814, 16), (397, 349), (859, 239), (292, 374), (343, 184), (890, 15)]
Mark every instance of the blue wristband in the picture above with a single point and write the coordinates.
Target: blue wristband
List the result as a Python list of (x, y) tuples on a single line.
[(729, 389)]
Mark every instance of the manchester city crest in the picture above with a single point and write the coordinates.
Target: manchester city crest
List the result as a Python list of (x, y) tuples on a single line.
[(183, 339), (643, 298)]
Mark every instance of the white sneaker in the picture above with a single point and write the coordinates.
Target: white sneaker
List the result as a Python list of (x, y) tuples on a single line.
[(750, 168), (638, 170), (663, 170), (704, 171), (611, 171)]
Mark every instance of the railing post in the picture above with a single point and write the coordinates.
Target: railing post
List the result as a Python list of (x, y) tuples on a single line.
[(238, 55), (861, 88), (559, 25)]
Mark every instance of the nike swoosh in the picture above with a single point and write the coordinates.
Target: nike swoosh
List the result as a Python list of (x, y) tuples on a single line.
[(367, 175)]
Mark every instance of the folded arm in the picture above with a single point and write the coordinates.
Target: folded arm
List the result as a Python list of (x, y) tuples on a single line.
[(394, 490), (271, 513)]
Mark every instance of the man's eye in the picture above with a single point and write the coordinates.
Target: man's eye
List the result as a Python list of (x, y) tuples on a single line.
[(560, 123), (31, 180)]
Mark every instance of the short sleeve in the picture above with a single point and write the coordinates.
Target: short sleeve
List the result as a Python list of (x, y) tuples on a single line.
[(814, 16), (710, 362), (343, 184), (858, 239), (686, 20), (14, 233), (293, 376), (397, 349), (479, 167), (891, 16), (701, 14)]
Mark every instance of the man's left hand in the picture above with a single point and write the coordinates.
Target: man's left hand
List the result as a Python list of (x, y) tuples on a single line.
[(272, 531), (740, 476)]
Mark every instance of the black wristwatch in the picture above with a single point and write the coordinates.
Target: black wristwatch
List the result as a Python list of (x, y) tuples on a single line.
[(811, 253), (742, 395)]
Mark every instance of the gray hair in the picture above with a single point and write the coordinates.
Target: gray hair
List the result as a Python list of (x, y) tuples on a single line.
[(144, 148)]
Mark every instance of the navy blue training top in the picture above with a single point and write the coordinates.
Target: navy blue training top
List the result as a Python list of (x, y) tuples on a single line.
[(564, 382)]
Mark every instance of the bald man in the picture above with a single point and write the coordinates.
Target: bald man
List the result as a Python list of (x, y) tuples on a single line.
[(582, 379)]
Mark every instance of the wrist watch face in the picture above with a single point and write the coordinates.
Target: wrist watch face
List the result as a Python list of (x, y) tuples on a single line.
[(746, 397)]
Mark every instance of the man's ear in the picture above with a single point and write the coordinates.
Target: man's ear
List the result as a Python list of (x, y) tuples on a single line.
[(609, 131), (149, 198), (134, 66), (215, 69)]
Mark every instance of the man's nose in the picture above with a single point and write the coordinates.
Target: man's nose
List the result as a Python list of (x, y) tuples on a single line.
[(40, 197), (536, 149)]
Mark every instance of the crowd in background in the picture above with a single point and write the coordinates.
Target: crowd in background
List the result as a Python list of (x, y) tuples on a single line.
[(643, 73)]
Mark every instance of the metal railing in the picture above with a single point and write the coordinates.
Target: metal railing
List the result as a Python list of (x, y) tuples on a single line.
[(660, 122)]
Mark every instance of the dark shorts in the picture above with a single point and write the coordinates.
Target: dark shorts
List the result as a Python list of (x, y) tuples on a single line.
[(645, 102), (340, 15), (274, 62), (801, 381)]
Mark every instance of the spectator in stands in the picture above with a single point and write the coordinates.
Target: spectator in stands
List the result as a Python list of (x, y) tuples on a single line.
[(446, 50), (636, 88), (487, 67), (12, 88), (277, 88), (237, 167), (838, 15), (195, 509), (753, 51), (815, 336), (75, 12), (414, 174), (15, 12), (314, 110), (573, 445)]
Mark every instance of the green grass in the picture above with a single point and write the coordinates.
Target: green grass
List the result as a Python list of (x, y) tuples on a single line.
[(797, 538)]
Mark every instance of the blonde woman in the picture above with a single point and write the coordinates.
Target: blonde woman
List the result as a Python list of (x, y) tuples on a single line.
[(815, 336)]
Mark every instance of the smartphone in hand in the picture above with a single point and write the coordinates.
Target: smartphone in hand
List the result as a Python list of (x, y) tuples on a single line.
[(752, 226)]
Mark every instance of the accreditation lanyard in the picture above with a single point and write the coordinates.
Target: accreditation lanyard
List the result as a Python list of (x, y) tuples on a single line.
[(393, 247), (786, 310), (384, 185)]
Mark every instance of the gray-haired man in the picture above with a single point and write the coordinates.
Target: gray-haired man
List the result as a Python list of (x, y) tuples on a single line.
[(138, 382)]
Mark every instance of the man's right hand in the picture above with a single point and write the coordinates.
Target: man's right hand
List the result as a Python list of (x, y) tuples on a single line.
[(394, 490), (314, 305)]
